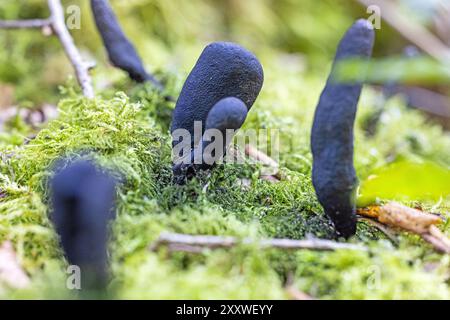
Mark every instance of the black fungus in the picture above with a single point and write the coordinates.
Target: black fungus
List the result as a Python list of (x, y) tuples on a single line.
[(333, 172), (83, 201), (223, 120), (223, 70), (121, 51)]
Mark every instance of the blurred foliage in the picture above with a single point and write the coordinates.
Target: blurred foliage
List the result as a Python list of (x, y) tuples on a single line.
[(406, 181), (412, 71), (169, 34)]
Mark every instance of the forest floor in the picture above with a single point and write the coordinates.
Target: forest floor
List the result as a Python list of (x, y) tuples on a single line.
[(128, 135)]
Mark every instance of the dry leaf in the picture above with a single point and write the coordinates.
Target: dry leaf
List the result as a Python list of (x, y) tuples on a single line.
[(438, 239), (265, 160), (410, 219), (413, 220), (270, 178), (11, 273), (260, 156)]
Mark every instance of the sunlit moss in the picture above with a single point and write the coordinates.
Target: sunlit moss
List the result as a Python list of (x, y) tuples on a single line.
[(124, 139)]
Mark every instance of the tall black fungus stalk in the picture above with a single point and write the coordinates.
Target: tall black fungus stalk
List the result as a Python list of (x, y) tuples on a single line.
[(224, 70), (333, 172), (121, 51), (83, 200)]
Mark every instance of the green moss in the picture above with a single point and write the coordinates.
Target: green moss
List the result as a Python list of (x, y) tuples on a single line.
[(129, 138)]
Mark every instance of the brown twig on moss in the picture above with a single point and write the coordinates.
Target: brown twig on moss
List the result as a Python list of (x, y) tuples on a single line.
[(198, 243), (56, 22), (265, 160), (412, 220), (391, 234)]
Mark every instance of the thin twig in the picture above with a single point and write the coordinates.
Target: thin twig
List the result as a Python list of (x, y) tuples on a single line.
[(195, 243), (265, 160), (260, 156), (57, 23), (427, 100), (413, 32), (383, 228), (412, 220), (25, 24), (81, 68), (436, 243)]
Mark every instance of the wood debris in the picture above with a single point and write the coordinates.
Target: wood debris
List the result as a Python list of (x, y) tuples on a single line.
[(413, 220), (265, 160), (197, 243)]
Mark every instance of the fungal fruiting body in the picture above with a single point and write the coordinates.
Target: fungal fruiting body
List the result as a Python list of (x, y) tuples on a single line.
[(333, 173), (223, 120), (223, 70), (121, 51), (83, 200)]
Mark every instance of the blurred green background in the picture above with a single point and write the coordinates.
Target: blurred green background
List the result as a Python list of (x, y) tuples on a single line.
[(300, 35)]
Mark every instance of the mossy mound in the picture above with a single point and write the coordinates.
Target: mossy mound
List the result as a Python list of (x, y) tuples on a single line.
[(129, 138)]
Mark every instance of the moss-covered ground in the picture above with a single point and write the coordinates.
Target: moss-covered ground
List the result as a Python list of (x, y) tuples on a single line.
[(125, 130), (127, 135)]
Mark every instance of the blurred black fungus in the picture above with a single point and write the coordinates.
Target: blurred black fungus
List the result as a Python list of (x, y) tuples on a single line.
[(83, 205)]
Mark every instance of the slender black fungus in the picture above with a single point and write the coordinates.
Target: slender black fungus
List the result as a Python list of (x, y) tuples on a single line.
[(83, 200), (121, 51), (333, 174), (223, 70), (226, 115)]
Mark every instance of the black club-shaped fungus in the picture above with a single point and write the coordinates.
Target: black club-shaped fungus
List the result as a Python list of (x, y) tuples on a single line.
[(223, 120), (226, 77), (83, 201), (223, 70), (333, 172)]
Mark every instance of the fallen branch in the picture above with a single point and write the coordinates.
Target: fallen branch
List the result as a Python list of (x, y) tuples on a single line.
[(81, 68), (265, 160), (57, 23), (260, 156), (384, 229), (25, 24), (429, 101), (412, 220), (196, 244)]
